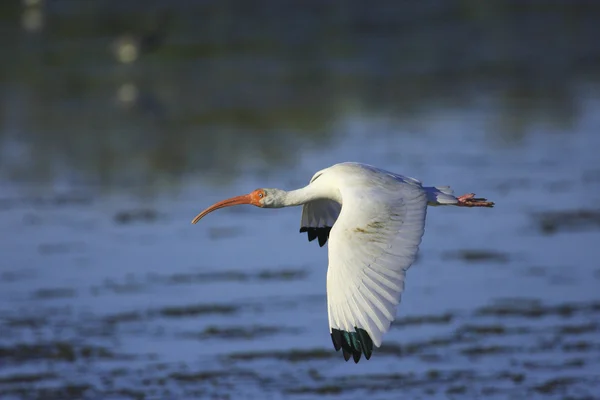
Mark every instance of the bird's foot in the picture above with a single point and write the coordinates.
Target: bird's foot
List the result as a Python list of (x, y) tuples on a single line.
[(469, 200)]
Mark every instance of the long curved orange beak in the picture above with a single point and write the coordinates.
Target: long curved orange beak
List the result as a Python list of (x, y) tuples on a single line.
[(234, 201)]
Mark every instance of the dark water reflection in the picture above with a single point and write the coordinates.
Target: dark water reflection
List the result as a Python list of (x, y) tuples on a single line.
[(120, 92), (121, 120)]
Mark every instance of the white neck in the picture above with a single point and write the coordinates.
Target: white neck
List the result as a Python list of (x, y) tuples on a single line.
[(305, 195)]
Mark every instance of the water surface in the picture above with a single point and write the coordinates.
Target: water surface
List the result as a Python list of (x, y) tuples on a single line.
[(107, 291)]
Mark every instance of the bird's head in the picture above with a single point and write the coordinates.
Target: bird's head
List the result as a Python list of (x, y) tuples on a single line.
[(265, 198)]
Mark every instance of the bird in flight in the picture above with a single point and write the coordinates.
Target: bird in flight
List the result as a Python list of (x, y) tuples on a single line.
[(374, 221)]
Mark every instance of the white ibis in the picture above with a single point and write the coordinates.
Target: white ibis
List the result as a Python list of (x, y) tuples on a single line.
[(374, 220)]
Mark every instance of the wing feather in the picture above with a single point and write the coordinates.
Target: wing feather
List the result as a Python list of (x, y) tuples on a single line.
[(371, 246), (318, 217)]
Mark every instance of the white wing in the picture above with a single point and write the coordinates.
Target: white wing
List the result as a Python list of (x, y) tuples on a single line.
[(318, 217), (374, 241)]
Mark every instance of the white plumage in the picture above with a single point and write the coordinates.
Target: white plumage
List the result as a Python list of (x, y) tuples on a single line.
[(374, 221), (371, 245)]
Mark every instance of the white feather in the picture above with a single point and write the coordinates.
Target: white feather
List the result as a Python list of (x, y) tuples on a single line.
[(440, 195), (320, 213), (371, 245)]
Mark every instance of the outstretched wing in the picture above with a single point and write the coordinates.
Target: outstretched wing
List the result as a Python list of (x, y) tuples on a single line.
[(371, 246), (318, 217)]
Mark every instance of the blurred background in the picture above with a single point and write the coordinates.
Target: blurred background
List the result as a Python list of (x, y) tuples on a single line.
[(120, 120)]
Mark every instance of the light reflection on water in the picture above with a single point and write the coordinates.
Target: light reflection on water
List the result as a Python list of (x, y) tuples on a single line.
[(103, 277)]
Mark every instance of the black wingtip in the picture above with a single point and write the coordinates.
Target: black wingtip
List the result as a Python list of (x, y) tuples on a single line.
[(366, 343), (336, 338), (322, 239), (322, 233), (346, 354), (356, 356), (352, 343)]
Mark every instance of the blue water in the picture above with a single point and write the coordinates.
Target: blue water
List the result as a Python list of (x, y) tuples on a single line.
[(251, 270), (108, 292)]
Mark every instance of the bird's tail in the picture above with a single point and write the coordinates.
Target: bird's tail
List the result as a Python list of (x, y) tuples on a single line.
[(440, 195), (444, 196)]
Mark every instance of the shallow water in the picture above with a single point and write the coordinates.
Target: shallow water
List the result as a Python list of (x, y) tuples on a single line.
[(107, 291)]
